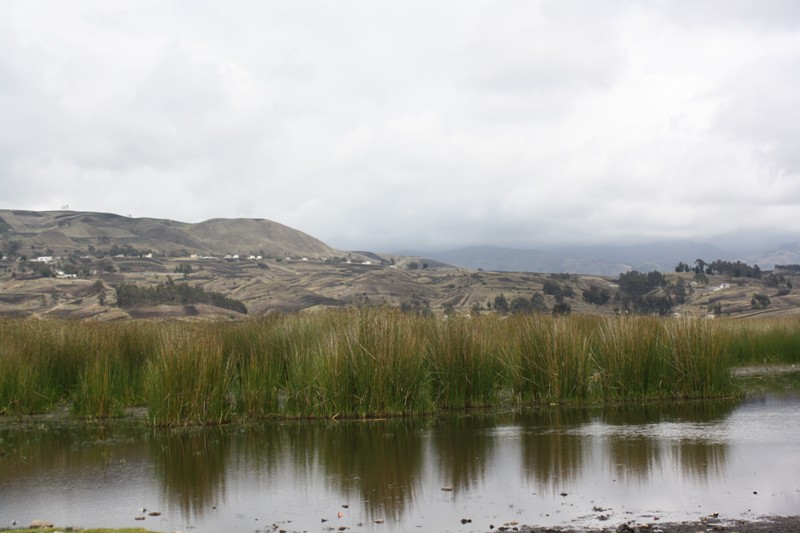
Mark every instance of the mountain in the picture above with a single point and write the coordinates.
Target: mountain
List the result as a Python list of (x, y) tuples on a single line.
[(70, 231), (786, 254), (602, 260)]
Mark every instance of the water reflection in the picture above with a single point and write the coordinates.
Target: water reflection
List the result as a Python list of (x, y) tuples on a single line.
[(80, 449), (191, 467), (378, 463), (655, 456), (551, 453), (462, 446)]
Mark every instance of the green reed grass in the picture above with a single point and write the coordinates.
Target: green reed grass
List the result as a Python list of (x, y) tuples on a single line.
[(762, 341), (627, 359), (701, 358), (371, 362), (256, 359), (465, 365), (101, 387), (38, 366), (378, 366), (305, 348), (549, 362), (189, 380)]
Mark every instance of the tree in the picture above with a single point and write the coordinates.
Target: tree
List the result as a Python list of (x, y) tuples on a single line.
[(520, 305), (561, 307), (538, 303), (760, 301), (10, 248), (501, 304), (645, 293), (596, 295), (700, 266), (184, 268)]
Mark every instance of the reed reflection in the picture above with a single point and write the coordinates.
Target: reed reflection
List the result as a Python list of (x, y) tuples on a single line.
[(258, 450), (634, 457), (72, 450), (706, 411), (191, 468), (639, 448), (378, 462), (700, 460), (551, 453), (463, 445)]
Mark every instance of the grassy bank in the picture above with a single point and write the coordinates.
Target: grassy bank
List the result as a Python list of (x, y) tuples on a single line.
[(371, 362)]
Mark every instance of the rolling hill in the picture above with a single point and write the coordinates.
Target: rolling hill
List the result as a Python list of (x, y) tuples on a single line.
[(70, 264), (65, 232)]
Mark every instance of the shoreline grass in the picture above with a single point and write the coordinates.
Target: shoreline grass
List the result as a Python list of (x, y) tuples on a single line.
[(372, 362)]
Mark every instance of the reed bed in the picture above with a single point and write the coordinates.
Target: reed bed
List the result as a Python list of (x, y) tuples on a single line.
[(463, 358), (371, 362)]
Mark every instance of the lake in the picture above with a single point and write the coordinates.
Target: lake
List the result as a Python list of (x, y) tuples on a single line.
[(458, 472)]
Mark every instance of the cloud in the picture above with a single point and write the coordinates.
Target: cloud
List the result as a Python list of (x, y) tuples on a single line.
[(409, 125)]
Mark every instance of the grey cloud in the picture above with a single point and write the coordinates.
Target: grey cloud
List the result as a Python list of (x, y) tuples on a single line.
[(762, 109), (407, 124)]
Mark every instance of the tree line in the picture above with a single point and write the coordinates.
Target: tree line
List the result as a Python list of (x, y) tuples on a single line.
[(734, 269), (170, 293)]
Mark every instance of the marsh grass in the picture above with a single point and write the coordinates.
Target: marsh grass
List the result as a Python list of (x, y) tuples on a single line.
[(36, 366), (550, 360), (257, 360), (628, 360), (100, 390), (189, 379), (701, 359), (466, 370), (376, 366), (770, 341), (371, 362)]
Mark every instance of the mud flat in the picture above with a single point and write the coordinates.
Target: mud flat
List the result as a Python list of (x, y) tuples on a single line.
[(777, 524)]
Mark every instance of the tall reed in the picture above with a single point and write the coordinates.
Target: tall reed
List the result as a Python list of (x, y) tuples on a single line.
[(549, 362), (40, 364), (101, 387), (258, 364), (371, 362), (378, 366), (465, 366), (189, 379), (627, 359), (775, 340), (699, 355)]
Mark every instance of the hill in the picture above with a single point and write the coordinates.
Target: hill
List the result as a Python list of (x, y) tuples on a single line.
[(70, 264), (65, 232)]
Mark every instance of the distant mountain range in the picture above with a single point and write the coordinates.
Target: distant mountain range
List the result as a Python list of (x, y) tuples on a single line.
[(605, 260), (71, 231)]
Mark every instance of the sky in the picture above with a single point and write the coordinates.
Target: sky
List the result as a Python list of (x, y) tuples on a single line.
[(396, 125)]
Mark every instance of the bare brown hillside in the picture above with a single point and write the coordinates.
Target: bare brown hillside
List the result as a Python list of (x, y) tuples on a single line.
[(69, 264), (65, 232)]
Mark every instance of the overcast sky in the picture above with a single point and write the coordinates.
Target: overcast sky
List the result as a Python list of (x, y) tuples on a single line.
[(410, 124)]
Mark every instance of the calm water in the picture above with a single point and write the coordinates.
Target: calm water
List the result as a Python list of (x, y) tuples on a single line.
[(741, 459)]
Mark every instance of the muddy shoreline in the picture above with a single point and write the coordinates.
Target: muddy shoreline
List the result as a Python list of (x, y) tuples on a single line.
[(774, 524)]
